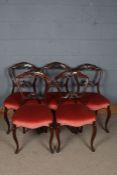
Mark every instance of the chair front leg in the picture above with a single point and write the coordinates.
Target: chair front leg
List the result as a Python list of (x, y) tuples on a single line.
[(96, 113), (107, 119), (93, 136), (6, 119), (51, 138), (15, 138), (57, 131)]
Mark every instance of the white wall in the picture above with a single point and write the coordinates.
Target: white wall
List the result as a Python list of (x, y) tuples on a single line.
[(70, 31)]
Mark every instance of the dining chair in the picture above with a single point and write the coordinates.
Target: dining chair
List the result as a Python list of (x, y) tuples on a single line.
[(71, 112), (34, 113), (93, 98), (14, 100)]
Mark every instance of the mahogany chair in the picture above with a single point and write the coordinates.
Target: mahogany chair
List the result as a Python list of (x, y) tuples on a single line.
[(71, 112), (34, 113), (52, 70), (14, 100), (93, 97)]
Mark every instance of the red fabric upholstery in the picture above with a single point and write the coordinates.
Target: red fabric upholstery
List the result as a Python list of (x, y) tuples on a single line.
[(53, 99), (70, 101), (32, 116), (33, 101), (74, 115), (52, 104), (14, 101), (95, 101)]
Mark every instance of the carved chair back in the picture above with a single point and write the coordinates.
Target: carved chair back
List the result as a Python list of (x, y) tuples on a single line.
[(52, 70), (94, 73), (18, 69), (74, 79), (35, 94)]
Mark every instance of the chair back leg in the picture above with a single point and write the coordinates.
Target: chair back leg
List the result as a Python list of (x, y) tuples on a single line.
[(57, 132), (51, 139), (107, 119), (93, 136), (7, 120), (15, 138)]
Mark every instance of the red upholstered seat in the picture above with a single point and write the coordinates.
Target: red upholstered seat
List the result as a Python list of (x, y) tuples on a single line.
[(93, 97), (53, 99), (32, 116), (71, 111), (34, 112), (70, 101), (95, 101), (14, 101), (74, 115)]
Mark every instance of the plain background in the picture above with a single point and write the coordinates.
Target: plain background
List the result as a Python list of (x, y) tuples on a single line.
[(68, 31)]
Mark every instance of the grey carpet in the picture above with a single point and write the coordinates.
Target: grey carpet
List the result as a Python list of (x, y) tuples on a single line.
[(75, 157)]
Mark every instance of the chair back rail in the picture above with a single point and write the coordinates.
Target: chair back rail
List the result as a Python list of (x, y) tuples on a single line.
[(94, 73), (18, 69)]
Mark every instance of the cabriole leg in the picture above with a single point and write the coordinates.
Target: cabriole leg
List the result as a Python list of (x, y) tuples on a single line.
[(57, 131), (6, 119), (15, 139), (51, 138), (94, 132), (107, 119)]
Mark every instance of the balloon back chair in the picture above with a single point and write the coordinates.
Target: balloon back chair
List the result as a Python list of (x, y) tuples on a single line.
[(52, 70), (93, 97), (34, 113), (71, 112), (14, 100)]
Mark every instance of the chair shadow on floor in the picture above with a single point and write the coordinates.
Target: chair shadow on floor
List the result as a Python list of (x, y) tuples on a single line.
[(27, 138), (67, 140), (43, 139), (100, 120), (102, 138)]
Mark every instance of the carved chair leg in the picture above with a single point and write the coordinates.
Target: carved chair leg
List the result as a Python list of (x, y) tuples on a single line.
[(57, 131), (107, 119), (24, 130), (96, 113), (51, 138), (93, 136), (6, 119), (15, 139)]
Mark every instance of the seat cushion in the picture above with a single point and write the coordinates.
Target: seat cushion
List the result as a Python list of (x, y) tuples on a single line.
[(70, 101), (74, 115), (14, 101), (95, 101), (32, 116), (53, 99)]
